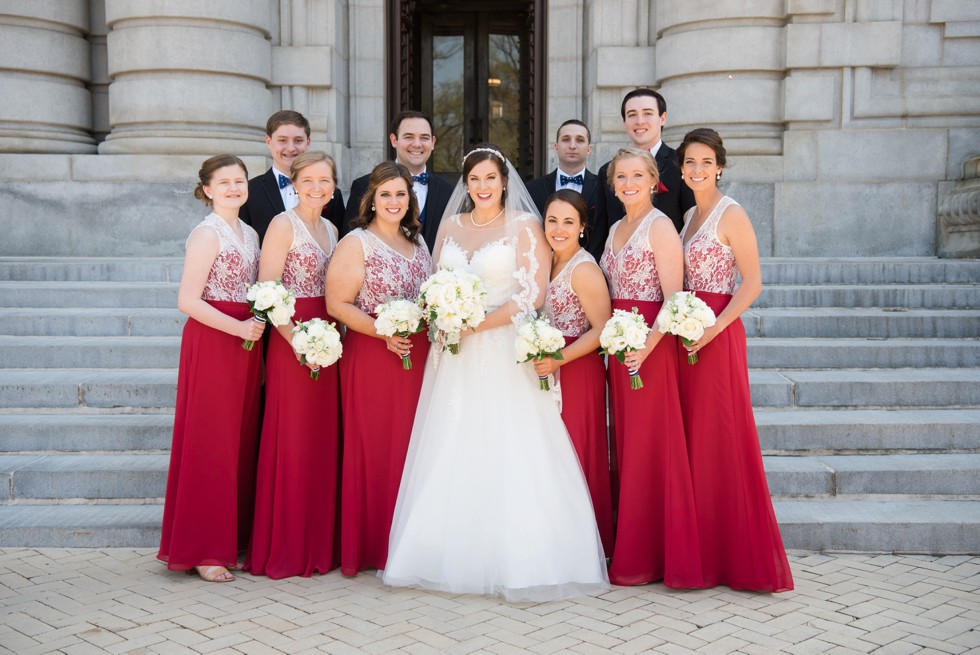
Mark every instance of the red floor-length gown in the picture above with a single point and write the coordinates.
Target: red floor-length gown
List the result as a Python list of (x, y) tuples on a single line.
[(207, 513), (656, 533), (295, 530), (379, 401), (740, 542), (583, 393)]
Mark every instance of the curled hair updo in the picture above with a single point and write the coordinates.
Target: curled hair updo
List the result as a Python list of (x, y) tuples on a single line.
[(385, 172), (631, 153), (209, 168), (708, 137), (577, 201), (480, 153)]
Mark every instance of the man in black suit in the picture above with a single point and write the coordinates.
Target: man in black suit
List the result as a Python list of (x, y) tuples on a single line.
[(573, 144), (644, 114), (287, 133), (412, 138)]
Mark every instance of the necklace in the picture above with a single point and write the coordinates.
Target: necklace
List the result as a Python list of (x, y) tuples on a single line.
[(475, 224)]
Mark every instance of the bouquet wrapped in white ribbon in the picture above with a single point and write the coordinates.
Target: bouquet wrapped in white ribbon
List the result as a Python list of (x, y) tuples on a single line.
[(686, 316), (270, 302), (625, 332), (537, 339), (452, 300), (402, 318), (317, 342)]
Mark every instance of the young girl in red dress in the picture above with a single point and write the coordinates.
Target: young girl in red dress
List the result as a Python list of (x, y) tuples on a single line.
[(207, 513), (740, 542)]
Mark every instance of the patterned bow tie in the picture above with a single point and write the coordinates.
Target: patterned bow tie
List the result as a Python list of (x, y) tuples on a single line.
[(284, 182), (422, 179), (570, 179)]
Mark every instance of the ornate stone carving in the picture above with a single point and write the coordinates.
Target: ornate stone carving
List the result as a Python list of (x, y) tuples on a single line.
[(958, 218)]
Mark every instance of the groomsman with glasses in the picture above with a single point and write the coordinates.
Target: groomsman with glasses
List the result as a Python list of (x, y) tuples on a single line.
[(412, 138), (573, 145)]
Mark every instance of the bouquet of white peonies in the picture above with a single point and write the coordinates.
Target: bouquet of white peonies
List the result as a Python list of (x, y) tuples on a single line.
[(402, 318), (270, 302), (537, 339), (686, 316), (625, 332), (451, 300), (317, 342)]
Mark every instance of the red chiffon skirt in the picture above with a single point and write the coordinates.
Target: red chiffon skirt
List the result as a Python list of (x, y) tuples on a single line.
[(295, 531), (583, 409), (740, 542), (656, 532), (379, 399), (207, 514)]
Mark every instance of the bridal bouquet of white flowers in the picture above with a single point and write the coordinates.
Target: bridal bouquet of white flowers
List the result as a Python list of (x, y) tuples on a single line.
[(317, 342), (686, 316), (270, 302), (451, 300), (625, 332), (402, 318), (537, 339)]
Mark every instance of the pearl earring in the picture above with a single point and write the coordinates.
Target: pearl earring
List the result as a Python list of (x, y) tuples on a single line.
[(581, 235), (718, 175), (372, 206)]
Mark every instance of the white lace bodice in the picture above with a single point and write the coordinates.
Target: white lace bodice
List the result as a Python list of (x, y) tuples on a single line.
[(709, 265), (388, 274), (561, 304), (306, 262), (237, 265), (632, 272)]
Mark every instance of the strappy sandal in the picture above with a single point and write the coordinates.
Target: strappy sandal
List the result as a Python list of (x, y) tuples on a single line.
[(213, 573)]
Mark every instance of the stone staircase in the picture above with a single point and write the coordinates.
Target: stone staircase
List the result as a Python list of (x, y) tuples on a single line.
[(865, 377)]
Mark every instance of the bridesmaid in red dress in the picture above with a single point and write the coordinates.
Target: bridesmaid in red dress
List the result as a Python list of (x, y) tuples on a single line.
[(740, 542), (207, 513), (656, 533), (577, 303), (382, 259), (296, 495)]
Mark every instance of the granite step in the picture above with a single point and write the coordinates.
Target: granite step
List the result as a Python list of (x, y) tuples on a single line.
[(81, 526), (90, 352), (92, 322), (868, 270), (911, 296), (83, 476), (89, 294), (74, 432), (104, 388), (151, 269), (861, 323)]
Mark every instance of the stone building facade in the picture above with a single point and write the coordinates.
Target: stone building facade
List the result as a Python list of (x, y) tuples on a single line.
[(853, 126)]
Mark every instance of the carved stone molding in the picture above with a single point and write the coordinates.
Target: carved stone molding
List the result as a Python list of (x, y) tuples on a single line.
[(958, 217)]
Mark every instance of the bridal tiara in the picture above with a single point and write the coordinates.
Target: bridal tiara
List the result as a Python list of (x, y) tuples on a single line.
[(498, 154)]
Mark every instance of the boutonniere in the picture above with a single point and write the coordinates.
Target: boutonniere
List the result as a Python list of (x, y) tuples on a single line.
[(661, 188)]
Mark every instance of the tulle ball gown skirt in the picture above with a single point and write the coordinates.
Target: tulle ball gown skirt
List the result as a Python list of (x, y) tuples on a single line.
[(493, 500), (740, 542), (295, 531), (379, 402), (656, 533), (207, 513)]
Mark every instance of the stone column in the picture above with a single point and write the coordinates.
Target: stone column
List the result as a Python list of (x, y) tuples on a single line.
[(188, 77), (959, 214), (44, 67)]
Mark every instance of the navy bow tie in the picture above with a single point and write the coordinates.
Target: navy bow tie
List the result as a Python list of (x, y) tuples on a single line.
[(570, 179), (284, 181), (422, 179)]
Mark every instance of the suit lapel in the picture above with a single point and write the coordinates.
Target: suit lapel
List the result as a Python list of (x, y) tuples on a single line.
[(272, 191), (589, 186), (552, 183)]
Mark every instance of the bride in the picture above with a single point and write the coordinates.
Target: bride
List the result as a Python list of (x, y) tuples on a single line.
[(492, 498)]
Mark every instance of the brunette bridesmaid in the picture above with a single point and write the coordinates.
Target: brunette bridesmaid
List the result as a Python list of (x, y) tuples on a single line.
[(577, 303), (382, 259), (740, 542), (656, 533), (298, 473), (207, 513)]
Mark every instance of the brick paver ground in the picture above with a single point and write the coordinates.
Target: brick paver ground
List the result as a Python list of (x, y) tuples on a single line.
[(78, 601)]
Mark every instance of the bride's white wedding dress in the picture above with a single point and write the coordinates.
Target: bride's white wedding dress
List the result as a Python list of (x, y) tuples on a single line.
[(492, 498)]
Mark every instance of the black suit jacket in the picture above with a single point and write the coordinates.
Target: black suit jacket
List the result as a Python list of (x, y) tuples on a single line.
[(435, 205), (674, 202), (265, 203), (541, 189)]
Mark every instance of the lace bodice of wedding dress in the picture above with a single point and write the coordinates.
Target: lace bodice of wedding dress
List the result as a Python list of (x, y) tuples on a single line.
[(388, 274), (562, 306), (306, 262), (237, 265), (709, 265)]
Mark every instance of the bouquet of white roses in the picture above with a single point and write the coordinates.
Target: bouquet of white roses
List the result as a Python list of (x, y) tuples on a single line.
[(270, 302), (402, 318), (537, 339), (317, 342), (686, 316), (451, 300), (625, 332)]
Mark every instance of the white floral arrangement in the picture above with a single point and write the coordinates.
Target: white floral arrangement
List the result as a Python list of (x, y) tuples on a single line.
[(451, 300), (317, 342), (270, 302), (625, 332), (401, 318), (686, 316), (537, 339)]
